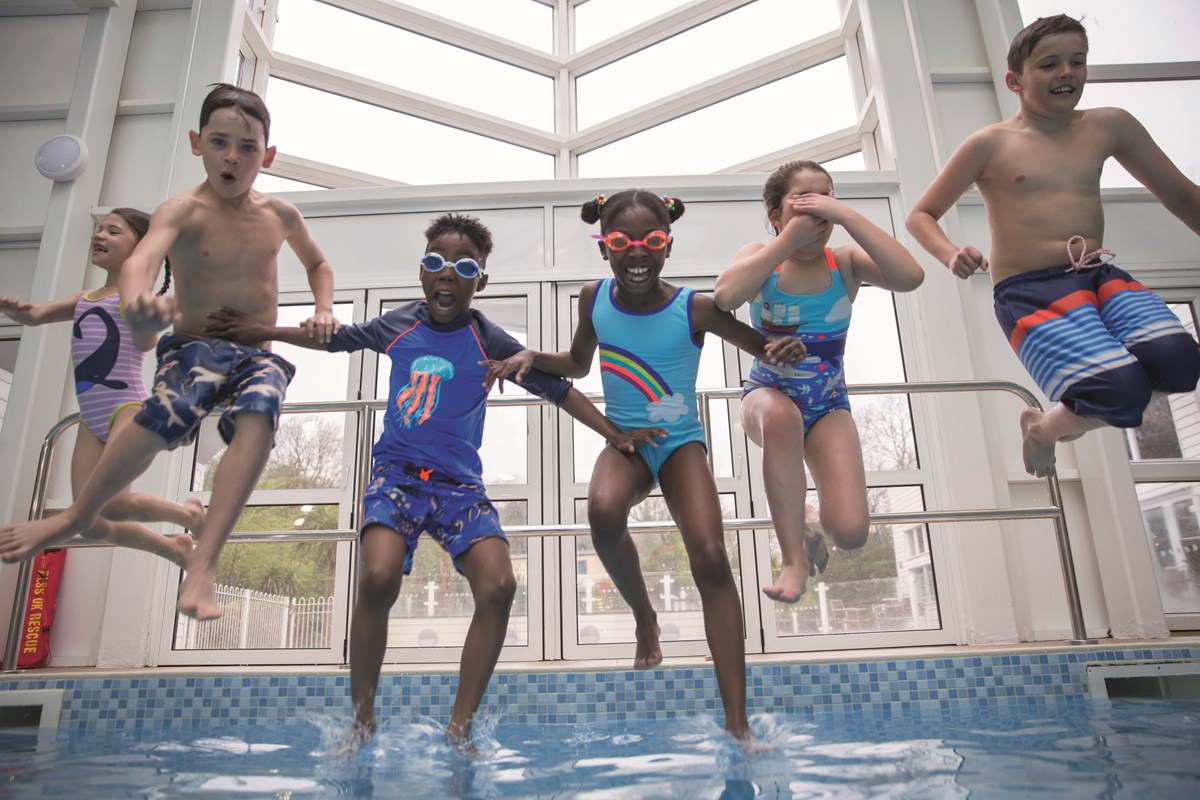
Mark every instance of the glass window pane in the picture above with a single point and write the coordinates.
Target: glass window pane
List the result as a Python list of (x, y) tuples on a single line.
[(1173, 533), (701, 53), (272, 596), (380, 52), (273, 184), (1170, 110), (885, 429), (597, 20), (887, 585), (851, 163), (603, 615), (522, 21), (873, 344), (1121, 32), (8, 365), (1171, 425), (377, 141), (435, 604), (683, 145)]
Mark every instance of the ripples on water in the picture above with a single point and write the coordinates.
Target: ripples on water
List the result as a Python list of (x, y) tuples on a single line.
[(1127, 748)]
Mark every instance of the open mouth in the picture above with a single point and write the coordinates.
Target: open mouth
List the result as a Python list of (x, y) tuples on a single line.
[(637, 274), (443, 301), (228, 178), (1063, 90)]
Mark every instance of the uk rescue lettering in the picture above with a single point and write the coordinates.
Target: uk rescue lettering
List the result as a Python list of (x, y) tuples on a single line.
[(33, 633)]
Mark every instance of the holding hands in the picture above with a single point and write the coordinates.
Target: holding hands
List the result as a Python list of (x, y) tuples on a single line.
[(231, 324), (148, 314), (785, 351), (514, 368), (322, 326)]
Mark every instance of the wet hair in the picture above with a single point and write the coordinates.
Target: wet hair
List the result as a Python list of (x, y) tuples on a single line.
[(225, 95), (601, 208), (469, 227), (778, 182), (1041, 28), (139, 223)]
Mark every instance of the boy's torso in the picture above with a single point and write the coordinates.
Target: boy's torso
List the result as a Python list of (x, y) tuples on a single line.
[(1042, 187), (226, 256)]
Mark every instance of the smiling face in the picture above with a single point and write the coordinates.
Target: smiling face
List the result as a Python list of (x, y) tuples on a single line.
[(112, 242), (233, 148), (637, 268), (1051, 79), (449, 294)]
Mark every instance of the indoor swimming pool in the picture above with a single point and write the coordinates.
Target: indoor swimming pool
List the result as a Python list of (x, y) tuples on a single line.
[(958, 722)]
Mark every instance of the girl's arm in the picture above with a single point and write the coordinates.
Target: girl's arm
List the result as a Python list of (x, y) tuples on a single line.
[(586, 412), (755, 262), (573, 363), (40, 313), (783, 351), (876, 257)]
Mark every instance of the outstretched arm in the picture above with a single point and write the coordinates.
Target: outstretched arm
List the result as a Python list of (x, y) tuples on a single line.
[(963, 169), (231, 324), (28, 313), (876, 257), (573, 363), (322, 324), (586, 412), (1137, 152), (783, 351)]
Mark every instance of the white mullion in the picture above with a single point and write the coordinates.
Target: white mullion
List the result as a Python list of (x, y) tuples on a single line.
[(331, 177), (823, 148)]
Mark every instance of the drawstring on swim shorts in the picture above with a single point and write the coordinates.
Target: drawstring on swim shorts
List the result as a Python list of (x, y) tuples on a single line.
[(1086, 260)]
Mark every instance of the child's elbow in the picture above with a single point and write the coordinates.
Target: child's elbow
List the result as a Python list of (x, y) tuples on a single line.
[(725, 298)]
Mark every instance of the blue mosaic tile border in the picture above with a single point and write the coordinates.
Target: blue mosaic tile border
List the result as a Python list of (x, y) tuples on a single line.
[(885, 686)]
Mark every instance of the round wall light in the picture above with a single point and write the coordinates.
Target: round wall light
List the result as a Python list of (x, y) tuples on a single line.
[(62, 158)]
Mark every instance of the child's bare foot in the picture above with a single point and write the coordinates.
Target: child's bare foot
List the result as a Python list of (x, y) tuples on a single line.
[(359, 734), (792, 583), (648, 653), (459, 737), (198, 596), (181, 546), (194, 505), (1036, 452), (26, 539)]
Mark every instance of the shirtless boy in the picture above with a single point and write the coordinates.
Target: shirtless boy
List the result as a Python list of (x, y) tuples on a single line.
[(1096, 341), (222, 238)]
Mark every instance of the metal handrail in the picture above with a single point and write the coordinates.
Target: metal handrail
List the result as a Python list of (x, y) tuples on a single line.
[(360, 408)]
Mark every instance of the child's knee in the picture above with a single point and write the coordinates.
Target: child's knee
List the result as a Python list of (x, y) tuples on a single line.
[(1172, 363), (710, 564), (496, 591), (849, 536), (378, 584)]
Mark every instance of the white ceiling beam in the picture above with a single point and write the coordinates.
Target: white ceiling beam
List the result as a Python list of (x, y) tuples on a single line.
[(823, 148), (321, 174), (421, 106)]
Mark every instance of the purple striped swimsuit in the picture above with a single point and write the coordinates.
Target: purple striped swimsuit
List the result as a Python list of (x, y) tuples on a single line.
[(108, 368)]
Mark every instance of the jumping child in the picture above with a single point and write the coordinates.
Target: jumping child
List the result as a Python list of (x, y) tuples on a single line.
[(110, 389), (650, 334), (798, 286), (1096, 341)]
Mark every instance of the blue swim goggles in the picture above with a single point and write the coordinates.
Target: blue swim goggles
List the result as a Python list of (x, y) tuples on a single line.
[(466, 268)]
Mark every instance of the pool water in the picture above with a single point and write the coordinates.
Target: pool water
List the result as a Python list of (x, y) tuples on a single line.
[(1069, 749)]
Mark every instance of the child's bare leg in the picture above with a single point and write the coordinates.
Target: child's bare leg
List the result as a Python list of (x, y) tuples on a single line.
[(619, 482), (236, 477), (691, 494), (1040, 432), (381, 572), (774, 423), (834, 454), (126, 456), (489, 571)]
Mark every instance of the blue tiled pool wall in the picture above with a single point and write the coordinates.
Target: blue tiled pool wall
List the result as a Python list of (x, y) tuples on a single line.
[(899, 686)]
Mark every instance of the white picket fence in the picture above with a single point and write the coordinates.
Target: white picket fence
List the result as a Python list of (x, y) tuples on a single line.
[(257, 620)]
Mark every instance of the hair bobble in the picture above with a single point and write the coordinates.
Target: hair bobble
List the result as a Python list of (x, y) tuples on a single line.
[(669, 202), (599, 200)]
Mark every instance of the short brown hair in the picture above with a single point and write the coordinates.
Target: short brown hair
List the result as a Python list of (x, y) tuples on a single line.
[(225, 95), (1029, 36)]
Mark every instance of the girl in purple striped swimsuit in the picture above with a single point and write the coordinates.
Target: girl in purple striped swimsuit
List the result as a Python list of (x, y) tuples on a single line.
[(109, 385)]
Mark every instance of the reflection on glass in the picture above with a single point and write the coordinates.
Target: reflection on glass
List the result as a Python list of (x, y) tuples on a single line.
[(887, 585), (396, 57), (696, 55), (1173, 532), (448, 155), (603, 615), (8, 365), (435, 604), (1120, 32), (1167, 425), (659, 150), (272, 596)]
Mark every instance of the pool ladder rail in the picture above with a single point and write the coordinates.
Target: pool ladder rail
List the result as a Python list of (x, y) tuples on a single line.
[(361, 408)]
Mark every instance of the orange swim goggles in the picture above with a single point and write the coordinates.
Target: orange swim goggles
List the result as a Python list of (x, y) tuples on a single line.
[(619, 242)]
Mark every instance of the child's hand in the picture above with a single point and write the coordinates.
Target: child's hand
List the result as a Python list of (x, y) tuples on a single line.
[(966, 261), (820, 205), (231, 324), (785, 351), (322, 325), (804, 230), (628, 442), (148, 313), (19, 310), (519, 363)]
